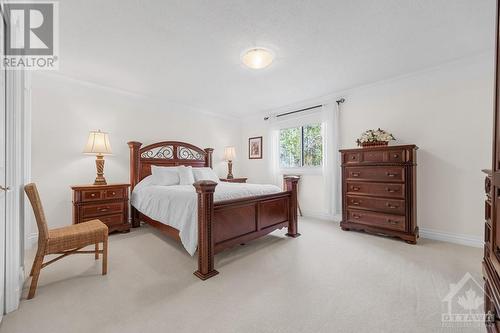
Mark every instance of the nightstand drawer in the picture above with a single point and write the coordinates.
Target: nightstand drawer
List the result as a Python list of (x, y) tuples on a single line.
[(91, 195), (117, 193), (101, 209), (109, 220)]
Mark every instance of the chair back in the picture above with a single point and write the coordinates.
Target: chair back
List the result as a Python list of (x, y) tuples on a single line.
[(36, 204)]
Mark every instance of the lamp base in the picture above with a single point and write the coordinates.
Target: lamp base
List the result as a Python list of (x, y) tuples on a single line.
[(100, 181), (229, 170), (99, 164)]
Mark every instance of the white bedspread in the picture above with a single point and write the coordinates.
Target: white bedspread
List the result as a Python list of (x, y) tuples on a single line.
[(177, 207)]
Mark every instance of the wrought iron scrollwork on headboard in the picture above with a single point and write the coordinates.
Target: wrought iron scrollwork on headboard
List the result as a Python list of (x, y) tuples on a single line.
[(185, 153), (164, 152)]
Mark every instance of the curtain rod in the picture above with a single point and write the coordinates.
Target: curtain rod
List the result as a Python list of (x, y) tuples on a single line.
[(340, 101), (296, 111)]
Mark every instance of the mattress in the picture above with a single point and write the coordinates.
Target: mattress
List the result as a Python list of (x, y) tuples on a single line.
[(177, 207)]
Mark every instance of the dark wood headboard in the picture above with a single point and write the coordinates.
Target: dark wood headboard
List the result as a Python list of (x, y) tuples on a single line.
[(165, 153)]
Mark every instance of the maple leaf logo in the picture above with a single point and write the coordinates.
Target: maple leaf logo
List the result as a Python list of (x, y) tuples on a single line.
[(470, 301)]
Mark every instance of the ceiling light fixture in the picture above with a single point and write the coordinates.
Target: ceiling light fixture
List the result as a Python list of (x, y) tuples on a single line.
[(257, 58)]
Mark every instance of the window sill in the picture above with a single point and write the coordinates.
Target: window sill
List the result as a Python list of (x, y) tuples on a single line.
[(302, 171)]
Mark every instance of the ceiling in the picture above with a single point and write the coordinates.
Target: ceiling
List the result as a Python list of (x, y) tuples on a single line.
[(188, 51)]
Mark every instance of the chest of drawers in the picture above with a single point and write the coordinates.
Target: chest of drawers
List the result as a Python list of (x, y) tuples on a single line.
[(108, 203), (379, 190)]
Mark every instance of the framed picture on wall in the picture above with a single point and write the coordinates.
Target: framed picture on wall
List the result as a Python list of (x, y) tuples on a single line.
[(255, 148)]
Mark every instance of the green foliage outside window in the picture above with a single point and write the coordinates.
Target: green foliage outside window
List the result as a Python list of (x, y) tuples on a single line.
[(301, 146)]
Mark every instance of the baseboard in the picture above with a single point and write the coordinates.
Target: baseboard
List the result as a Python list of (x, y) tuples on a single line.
[(318, 215), (426, 233), (451, 238)]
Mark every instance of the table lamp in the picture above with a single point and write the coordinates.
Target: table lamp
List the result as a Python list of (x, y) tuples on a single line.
[(229, 154), (98, 144)]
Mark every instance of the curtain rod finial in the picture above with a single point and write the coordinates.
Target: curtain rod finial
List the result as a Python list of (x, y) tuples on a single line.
[(340, 101)]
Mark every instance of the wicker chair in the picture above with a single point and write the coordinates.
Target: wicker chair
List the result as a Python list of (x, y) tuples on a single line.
[(64, 241)]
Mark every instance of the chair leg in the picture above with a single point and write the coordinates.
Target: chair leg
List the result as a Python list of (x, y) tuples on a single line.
[(34, 261), (105, 255), (96, 250), (37, 267)]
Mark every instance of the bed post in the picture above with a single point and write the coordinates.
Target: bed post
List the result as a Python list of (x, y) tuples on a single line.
[(208, 158), (291, 185), (205, 190), (135, 148)]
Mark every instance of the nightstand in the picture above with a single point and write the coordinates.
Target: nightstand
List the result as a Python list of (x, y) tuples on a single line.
[(234, 180), (108, 203)]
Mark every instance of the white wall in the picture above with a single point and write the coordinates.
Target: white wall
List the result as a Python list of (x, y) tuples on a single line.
[(447, 112), (63, 112)]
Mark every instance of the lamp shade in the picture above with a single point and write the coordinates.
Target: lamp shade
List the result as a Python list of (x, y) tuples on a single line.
[(98, 143), (229, 153)]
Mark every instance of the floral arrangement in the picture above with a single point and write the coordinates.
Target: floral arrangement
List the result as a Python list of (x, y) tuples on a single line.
[(377, 137)]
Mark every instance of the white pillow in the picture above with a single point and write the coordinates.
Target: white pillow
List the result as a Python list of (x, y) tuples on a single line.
[(205, 174), (186, 176), (165, 176)]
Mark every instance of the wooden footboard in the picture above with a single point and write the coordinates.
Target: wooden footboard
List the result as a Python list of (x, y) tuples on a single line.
[(227, 223)]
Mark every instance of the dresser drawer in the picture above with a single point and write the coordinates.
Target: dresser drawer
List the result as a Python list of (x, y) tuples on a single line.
[(374, 156), (354, 157), (91, 195), (89, 210), (392, 206), (109, 220), (376, 173), (386, 221), (377, 189), (396, 156)]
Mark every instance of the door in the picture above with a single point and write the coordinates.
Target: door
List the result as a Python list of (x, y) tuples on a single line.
[(3, 186)]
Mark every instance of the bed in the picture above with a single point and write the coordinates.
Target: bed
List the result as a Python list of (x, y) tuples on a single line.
[(225, 214)]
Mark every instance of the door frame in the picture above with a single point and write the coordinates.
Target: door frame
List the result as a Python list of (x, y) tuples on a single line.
[(18, 173)]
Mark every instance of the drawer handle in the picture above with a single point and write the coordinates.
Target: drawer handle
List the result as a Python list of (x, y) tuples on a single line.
[(390, 190), (355, 174), (354, 188), (105, 209), (391, 174), (391, 206), (356, 216), (353, 157), (392, 221), (92, 195), (356, 203), (113, 193), (396, 155)]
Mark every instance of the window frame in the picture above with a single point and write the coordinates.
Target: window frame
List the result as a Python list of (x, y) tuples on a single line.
[(303, 169)]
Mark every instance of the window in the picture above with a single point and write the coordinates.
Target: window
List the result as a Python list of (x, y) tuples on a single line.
[(301, 146)]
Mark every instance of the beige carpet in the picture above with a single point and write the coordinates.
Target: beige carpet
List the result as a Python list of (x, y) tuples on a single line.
[(327, 280)]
